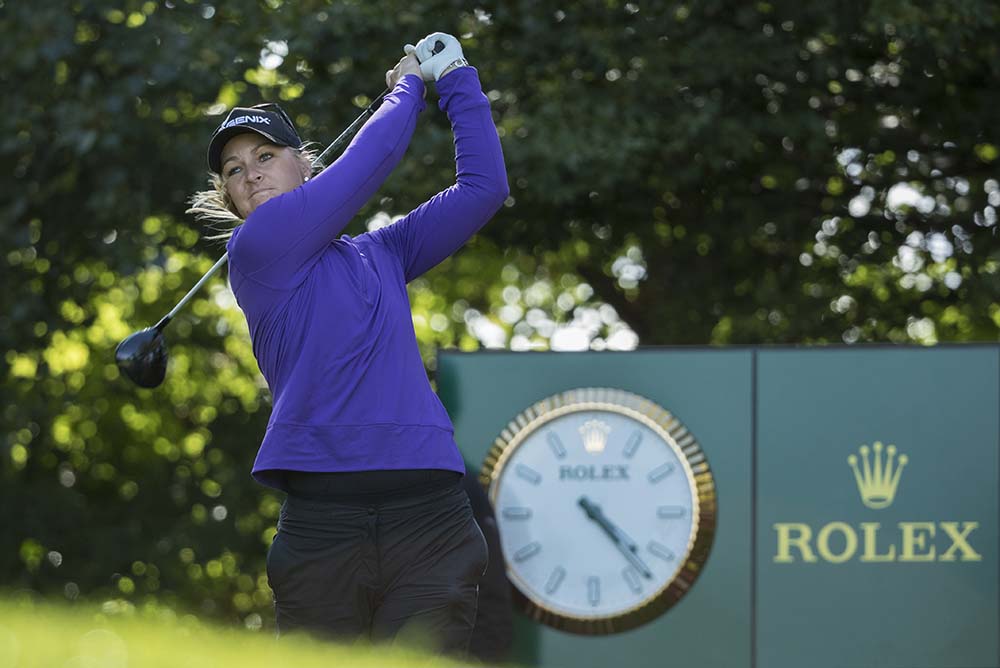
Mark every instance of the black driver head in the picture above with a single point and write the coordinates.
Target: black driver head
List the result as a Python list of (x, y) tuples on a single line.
[(143, 357)]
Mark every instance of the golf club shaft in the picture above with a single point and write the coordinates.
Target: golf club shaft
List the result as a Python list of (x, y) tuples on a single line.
[(334, 145), (197, 286), (353, 127)]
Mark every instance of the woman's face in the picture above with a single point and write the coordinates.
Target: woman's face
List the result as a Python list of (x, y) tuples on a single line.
[(254, 170)]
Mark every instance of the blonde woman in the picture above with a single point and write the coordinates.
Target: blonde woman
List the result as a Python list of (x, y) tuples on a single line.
[(376, 538)]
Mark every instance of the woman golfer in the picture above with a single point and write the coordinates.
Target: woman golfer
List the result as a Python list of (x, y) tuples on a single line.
[(376, 538)]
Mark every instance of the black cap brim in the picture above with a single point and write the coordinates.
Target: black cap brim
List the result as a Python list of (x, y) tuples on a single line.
[(220, 139)]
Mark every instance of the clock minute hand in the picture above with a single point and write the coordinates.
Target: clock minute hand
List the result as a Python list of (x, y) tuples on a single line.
[(625, 545)]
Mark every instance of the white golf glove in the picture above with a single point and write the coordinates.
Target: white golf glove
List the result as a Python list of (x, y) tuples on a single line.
[(438, 53)]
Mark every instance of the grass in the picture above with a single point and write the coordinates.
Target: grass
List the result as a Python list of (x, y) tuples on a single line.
[(44, 635)]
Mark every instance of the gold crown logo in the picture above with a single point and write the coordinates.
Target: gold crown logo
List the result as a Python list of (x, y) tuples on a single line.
[(595, 436), (877, 481)]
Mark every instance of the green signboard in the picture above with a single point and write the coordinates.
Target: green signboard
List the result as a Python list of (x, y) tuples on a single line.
[(877, 507), (855, 500)]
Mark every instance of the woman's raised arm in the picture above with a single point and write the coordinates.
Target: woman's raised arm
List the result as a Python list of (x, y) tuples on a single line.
[(442, 224), (282, 237)]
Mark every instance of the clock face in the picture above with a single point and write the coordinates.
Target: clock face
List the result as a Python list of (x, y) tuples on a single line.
[(602, 498)]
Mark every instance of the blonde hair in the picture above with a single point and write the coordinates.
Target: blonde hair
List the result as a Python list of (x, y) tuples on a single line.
[(215, 209)]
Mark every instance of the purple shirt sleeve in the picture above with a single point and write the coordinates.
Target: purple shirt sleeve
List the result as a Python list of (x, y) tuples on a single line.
[(283, 237), (442, 224)]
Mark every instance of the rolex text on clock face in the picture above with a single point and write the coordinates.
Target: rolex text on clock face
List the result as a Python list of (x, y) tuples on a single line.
[(597, 510)]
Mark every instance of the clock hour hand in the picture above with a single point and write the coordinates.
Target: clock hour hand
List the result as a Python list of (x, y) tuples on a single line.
[(625, 545), (595, 513)]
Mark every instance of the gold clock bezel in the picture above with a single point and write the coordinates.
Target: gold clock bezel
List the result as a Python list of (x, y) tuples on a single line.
[(689, 453)]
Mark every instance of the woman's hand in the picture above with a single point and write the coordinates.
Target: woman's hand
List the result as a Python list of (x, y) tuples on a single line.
[(439, 54), (408, 64)]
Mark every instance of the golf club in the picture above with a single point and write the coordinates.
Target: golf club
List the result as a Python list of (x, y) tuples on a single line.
[(142, 356)]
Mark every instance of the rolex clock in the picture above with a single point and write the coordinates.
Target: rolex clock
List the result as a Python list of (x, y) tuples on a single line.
[(605, 505)]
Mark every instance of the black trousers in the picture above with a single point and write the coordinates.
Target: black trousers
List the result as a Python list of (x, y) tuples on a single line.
[(404, 570)]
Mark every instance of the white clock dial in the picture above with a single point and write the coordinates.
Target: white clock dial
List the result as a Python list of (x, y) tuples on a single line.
[(598, 507)]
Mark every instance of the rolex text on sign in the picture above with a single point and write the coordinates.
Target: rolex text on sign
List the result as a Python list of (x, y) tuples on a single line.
[(837, 542)]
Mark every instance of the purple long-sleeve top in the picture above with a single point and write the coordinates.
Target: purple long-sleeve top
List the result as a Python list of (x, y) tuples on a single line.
[(329, 315)]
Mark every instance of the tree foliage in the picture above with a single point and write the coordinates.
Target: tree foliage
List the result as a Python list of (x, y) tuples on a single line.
[(711, 172)]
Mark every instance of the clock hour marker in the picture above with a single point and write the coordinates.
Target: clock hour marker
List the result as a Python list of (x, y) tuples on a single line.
[(594, 590), (555, 580), (632, 444), (632, 580), (660, 551), (516, 513), (556, 444), (528, 551), (528, 473), (671, 512), (661, 472)]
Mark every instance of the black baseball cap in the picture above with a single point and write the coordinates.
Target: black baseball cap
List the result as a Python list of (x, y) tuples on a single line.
[(268, 120)]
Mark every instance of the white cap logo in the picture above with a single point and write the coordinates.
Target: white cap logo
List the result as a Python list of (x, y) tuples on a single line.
[(242, 120)]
